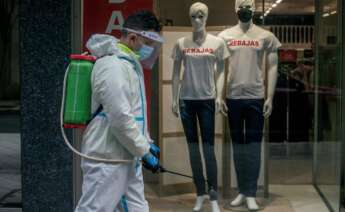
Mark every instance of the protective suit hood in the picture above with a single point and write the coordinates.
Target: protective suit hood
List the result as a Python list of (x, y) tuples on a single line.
[(101, 45)]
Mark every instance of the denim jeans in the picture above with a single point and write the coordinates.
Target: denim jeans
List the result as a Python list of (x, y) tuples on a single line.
[(246, 124), (204, 112)]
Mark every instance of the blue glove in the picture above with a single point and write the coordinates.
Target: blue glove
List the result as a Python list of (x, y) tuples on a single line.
[(155, 150), (151, 162)]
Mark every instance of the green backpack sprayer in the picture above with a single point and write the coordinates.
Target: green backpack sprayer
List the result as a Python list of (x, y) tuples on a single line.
[(77, 107)]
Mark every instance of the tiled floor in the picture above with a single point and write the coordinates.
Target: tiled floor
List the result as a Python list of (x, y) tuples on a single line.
[(303, 198), (332, 194), (10, 176), (282, 199)]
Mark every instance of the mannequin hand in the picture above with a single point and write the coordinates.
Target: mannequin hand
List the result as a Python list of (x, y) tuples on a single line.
[(267, 108), (221, 107), (175, 109)]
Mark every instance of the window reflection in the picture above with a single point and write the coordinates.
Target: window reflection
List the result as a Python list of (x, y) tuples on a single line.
[(329, 85), (10, 164)]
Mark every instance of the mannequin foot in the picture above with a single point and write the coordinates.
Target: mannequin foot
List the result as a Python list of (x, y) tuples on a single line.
[(251, 204), (199, 202), (239, 200), (214, 206)]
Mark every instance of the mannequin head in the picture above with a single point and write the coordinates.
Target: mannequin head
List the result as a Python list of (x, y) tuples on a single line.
[(245, 10), (198, 14)]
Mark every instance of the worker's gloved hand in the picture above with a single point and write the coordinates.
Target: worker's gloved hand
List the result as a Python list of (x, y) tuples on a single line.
[(155, 150), (151, 162)]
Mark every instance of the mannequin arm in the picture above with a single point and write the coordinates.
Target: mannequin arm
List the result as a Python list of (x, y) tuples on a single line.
[(272, 62), (220, 104), (176, 87)]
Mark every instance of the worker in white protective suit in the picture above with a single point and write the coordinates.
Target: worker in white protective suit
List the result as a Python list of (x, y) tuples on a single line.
[(118, 130)]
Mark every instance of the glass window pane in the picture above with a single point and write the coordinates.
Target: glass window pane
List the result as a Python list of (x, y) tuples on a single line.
[(329, 89), (10, 160)]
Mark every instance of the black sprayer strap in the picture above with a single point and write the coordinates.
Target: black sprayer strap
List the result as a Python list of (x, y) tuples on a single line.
[(98, 111)]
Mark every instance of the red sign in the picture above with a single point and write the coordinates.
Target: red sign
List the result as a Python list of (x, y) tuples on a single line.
[(288, 55), (107, 17)]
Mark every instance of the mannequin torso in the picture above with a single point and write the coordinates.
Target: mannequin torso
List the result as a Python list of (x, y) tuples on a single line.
[(247, 44), (199, 59), (199, 54)]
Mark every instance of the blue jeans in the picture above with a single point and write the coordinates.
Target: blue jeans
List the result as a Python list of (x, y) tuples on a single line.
[(246, 124), (204, 112)]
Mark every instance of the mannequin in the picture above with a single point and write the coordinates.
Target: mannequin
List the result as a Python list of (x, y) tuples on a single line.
[(198, 98), (247, 108)]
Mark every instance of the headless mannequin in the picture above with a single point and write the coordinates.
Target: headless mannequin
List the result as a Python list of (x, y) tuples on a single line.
[(198, 16), (245, 24)]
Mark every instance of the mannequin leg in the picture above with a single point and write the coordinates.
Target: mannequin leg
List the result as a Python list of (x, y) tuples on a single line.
[(254, 126), (189, 121), (206, 117), (236, 125)]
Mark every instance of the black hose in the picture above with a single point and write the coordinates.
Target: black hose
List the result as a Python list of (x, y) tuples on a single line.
[(163, 170)]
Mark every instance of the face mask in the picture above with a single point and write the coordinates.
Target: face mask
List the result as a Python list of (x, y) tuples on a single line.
[(245, 15), (145, 52)]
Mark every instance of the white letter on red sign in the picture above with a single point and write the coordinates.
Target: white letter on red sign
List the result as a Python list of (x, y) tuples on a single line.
[(116, 15), (116, 1)]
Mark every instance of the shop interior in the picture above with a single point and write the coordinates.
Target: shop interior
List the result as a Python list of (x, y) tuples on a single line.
[(302, 138)]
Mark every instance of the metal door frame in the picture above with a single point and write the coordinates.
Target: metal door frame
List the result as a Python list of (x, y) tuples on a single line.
[(76, 47), (341, 17)]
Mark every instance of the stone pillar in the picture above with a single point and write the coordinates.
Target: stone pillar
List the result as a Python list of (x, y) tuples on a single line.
[(45, 43)]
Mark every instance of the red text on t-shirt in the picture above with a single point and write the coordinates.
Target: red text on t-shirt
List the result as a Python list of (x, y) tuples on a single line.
[(198, 51), (247, 43)]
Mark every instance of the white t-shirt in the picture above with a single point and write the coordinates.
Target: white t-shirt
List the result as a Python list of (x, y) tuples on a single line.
[(246, 57), (199, 61)]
